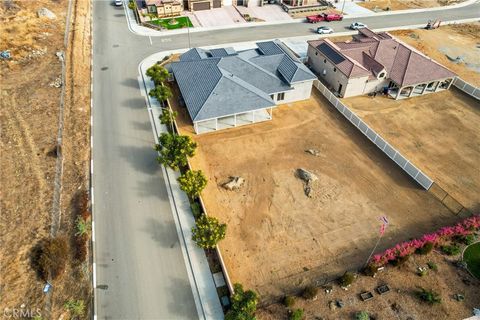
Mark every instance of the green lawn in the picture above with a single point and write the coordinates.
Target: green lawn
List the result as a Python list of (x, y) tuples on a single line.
[(182, 23), (472, 257)]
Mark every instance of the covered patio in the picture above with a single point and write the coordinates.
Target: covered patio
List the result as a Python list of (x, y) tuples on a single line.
[(232, 121), (397, 92)]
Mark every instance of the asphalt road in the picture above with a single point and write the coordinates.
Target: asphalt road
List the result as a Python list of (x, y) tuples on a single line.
[(141, 273)]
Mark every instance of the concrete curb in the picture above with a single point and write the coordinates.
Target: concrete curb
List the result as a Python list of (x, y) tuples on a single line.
[(200, 277), (147, 32)]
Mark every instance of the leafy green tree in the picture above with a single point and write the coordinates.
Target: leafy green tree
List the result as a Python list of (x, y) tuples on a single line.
[(174, 150), (158, 74), (167, 117), (244, 304), (192, 182), (161, 92), (208, 232)]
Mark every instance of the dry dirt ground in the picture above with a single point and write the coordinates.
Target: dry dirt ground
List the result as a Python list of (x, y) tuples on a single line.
[(30, 120), (461, 40), (278, 239), (405, 4), (400, 303), (439, 133)]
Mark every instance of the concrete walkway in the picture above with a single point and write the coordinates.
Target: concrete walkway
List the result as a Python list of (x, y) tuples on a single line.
[(351, 7), (201, 279)]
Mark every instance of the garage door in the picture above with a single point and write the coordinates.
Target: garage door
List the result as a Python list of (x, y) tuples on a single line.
[(217, 3), (201, 6)]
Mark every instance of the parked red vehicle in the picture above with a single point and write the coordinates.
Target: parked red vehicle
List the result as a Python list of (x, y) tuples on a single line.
[(325, 17)]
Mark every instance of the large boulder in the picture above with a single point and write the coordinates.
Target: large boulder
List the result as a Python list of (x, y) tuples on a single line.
[(306, 175), (44, 12), (234, 183)]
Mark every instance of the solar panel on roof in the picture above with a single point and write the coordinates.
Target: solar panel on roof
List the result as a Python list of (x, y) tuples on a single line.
[(330, 53)]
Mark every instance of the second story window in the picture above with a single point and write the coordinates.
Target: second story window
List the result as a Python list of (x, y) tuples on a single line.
[(281, 96)]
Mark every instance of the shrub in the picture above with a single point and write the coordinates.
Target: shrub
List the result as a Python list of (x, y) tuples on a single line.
[(81, 226), (160, 92), (75, 307), (296, 315), (174, 150), (168, 117), (465, 239), (49, 257), (196, 210), (400, 260), (244, 304), (450, 250), (289, 301), (310, 292), (208, 232), (428, 296), (432, 265), (131, 4), (370, 270), (425, 249), (192, 183), (81, 248), (157, 73), (362, 315), (347, 279)]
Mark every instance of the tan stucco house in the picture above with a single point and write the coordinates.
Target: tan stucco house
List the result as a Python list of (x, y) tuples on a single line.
[(373, 62), (164, 8)]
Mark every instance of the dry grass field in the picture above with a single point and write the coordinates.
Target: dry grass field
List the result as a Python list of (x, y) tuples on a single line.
[(278, 239), (405, 4), (30, 120), (439, 133)]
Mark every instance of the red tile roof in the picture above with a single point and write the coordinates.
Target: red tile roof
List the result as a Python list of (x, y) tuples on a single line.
[(369, 53)]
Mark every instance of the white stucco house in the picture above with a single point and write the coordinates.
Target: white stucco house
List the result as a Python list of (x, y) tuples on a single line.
[(223, 88), (373, 62)]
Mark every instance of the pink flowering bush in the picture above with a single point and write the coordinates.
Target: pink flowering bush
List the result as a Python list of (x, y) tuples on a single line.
[(402, 250)]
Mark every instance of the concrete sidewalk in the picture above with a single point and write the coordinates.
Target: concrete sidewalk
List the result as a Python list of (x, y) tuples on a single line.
[(201, 279)]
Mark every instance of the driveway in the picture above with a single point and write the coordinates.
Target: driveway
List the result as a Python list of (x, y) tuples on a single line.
[(219, 17)]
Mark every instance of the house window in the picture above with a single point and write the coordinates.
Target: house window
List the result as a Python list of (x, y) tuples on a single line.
[(324, 60), (334, 69), (316, 53), (281, 96), (272, 96), (381, 75), (152, 9)]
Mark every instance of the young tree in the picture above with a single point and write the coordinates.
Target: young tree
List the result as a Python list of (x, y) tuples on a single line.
[(208, 232), (174, 150), (157, 73), (192, 182), (167, 117), (161, 92), (244, 304)]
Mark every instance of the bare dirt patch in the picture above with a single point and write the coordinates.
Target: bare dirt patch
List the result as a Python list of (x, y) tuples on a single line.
[(384, 5), (452, 41), (400, 302), (278, 240), (438, 132), (29, 115)]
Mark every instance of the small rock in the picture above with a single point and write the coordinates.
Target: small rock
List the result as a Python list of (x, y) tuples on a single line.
[(459, 297), (340, 304), (332, 305), (306, 175), (234, 183), (44, 12), (313, 152), (60, 55)]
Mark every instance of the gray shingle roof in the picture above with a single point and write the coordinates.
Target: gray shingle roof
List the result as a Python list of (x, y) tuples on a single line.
[(194, 54), (222, 82)]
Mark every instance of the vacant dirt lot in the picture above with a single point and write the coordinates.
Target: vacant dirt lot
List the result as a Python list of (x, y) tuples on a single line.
[(405, 4), (30, 100), (278, 239), (455, 41), (401, 302), (439, 133)]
